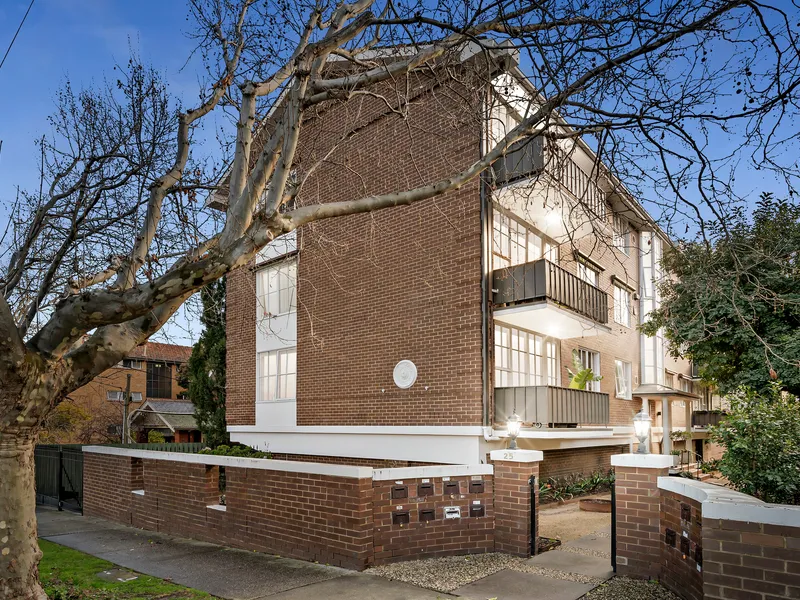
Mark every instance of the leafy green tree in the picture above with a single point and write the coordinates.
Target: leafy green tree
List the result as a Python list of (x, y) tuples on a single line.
[(734, 304), (204, 377), (761, 437), (581, 376)]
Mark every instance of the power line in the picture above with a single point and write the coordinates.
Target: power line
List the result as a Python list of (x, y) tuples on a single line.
[(2, 62)]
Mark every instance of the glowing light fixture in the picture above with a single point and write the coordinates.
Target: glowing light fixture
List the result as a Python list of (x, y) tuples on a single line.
[(641, 428), (513, 426)]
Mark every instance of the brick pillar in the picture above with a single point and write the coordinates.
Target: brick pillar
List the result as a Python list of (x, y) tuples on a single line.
[(513, 514), (638, 512)]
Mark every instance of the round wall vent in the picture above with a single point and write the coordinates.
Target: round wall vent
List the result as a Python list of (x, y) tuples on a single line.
[(405, 374)]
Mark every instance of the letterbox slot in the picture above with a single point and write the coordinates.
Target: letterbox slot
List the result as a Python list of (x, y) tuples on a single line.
[(686, 512), (427, 514), (477, 510), (400, 517), (399, 491), (425, 489), (475, 487), (685, 547), (698, 555), (670, 537), (451, 487)]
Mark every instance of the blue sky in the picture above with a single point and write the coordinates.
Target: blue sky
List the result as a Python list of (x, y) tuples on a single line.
[(82, 40)]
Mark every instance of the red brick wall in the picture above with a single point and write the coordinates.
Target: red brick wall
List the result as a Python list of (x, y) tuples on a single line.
[(268, 511), (440, 537), (240, 359), (679, 564), (750, 561), (512, 507), (559, 463), (638, 517)]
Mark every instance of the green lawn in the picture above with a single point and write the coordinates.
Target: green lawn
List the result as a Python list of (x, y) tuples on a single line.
[(71, 575)]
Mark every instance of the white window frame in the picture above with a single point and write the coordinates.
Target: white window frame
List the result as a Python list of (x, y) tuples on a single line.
[(515, 243), (669, 379), (119, 396), (588, 273), (282, 384), (622, 235), (591, 358), (623, 379), (525, 358), (622, 305), (276, 289)]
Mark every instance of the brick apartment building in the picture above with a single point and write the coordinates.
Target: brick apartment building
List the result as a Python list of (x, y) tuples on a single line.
[(97, 407), (409, 335)]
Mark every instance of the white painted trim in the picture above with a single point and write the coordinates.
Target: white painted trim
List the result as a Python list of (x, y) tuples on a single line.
[(520, 456), (287, 466), (138, 492), (433, 471), (219, 507), (368, 430), (722, 503), (643, 461)]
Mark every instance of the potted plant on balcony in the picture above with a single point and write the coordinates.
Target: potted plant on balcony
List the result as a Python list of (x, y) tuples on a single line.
[(581, 376)]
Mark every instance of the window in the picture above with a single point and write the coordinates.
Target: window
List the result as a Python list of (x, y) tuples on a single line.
[(591, 360), (515, 244), (276, 289), (523, 358), (159, 380), (622, 306), (119, 396), (686, 385), (622, 234), (588, 274), (622, 371), (131, 363), (669, 380), (277, 375)]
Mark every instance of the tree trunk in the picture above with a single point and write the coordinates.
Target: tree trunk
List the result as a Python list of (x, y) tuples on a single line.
[(19, 550)]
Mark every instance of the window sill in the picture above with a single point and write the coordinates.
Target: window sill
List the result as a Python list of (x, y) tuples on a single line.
[(219, 507), (276, 401), (138, 492)]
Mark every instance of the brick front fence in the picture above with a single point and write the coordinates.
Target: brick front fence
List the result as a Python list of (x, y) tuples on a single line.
[(700, 540), (350, 516)]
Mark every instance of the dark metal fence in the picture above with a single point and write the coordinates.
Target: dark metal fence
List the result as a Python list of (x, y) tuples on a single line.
[(59, 475), (614, 527)]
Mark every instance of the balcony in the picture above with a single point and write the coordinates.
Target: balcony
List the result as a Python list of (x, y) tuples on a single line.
[(707, 418), (550, 405), (522, 291)]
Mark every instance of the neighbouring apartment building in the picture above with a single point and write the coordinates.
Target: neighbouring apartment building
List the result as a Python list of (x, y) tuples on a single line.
[(411, 334), (94, 412)]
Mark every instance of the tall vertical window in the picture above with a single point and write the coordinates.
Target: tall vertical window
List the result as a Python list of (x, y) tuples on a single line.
[(622, 306), (669, 380), (277, 375), (276, 289), (524, 358), (159, 380), (515, 244), (588, 274), (623, 380), (622, 234), (591, 360)]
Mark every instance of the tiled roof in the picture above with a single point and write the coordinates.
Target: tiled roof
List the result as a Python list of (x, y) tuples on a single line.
[(157, 413), (158, 351)]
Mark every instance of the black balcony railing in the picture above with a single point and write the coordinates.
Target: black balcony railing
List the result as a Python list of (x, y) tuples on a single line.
[(707, 418), (551, 405), (522, 159), (543, 280)]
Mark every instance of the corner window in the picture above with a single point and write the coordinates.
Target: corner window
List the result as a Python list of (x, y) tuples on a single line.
[(524, 358), (622, 372), (277, 375), (591, 360), (622, 235), (515, 244), (622, 306), (276, 289), (669, 380), (588, 274)]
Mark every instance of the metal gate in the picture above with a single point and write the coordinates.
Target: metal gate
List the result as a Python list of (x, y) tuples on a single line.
[(59, 476), (614, 527), (534, 533)]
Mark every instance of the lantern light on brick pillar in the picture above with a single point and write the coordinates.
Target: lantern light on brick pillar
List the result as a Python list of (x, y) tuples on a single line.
[(513, 426), (641, 428)]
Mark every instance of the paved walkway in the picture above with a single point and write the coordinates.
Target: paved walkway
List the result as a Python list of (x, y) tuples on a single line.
[(241, 575)]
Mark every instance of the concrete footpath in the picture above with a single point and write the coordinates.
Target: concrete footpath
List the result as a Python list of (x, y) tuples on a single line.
[(242, 575)]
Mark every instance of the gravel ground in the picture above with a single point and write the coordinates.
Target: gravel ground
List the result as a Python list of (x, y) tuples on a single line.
[(622, 588), (448, 573), (569, 522), (451, 572)]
